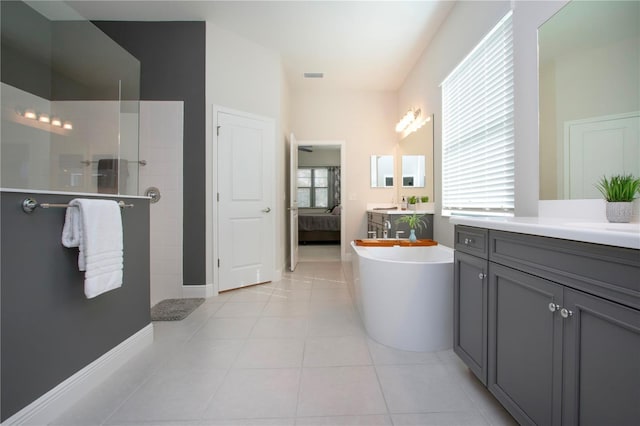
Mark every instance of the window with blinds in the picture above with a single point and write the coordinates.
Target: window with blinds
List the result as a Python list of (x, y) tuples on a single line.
[(313, 187), (477, 129)]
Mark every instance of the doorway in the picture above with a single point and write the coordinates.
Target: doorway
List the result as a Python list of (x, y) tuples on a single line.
[(318, 194)]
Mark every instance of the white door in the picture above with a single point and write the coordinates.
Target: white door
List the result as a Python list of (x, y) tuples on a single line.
[(246, 182), (597, 147), (293, 203)]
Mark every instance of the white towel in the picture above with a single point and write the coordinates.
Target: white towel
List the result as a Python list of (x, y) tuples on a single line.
[(95, 227)]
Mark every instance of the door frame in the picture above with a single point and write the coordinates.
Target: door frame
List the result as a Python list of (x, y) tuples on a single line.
[(212, 157), (343, 186)]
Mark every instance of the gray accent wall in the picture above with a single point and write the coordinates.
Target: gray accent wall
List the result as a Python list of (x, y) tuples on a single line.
[(172, 68), (49, 329)]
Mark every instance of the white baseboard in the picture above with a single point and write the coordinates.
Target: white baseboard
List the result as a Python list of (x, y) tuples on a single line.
[(189, 291), (53, 403)]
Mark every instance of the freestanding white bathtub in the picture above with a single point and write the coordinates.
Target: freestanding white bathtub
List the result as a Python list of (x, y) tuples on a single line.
[(405, 295)]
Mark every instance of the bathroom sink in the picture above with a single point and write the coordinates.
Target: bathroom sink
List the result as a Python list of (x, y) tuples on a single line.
[(607, 226)]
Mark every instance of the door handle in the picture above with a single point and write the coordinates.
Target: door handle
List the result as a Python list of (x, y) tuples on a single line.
[(267, 210), (565, 313)]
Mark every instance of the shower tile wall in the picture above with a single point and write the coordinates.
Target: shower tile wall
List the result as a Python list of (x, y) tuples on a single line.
[(161, 134)]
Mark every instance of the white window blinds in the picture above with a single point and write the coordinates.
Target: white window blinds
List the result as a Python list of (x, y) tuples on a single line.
[(477, 129)]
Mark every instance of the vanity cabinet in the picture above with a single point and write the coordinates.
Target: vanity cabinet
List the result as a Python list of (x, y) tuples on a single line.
[(563, 326), (376, 220), (525, 345), (470, 299)]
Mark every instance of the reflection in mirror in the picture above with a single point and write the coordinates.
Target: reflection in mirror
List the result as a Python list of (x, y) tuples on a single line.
[(70, 107), (382, 171), (413, 171), (589, 82), (417, 145)]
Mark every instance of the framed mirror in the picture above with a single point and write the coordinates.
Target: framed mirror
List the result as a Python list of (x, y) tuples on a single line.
[(589, 83), (413, 171), (382, 171)]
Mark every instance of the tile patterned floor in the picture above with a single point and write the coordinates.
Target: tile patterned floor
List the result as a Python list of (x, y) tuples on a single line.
[(292, 352), (318, 252)]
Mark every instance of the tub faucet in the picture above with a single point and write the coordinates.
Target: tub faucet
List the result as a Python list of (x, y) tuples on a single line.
[(387, 228)]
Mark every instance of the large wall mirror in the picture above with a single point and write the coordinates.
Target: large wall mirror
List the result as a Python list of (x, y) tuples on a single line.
[(589, 82), (415, 163), (382, 171), (413, 171)]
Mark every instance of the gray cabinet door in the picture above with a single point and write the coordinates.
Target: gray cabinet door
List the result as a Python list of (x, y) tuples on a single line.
[(470, 312), (601, 362), (525, 345)]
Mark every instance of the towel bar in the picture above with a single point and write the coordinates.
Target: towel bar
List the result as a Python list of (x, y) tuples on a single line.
[(30, 204), (141, 162)]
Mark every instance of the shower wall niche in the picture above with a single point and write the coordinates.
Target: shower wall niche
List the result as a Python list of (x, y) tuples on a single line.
[(70, 103)]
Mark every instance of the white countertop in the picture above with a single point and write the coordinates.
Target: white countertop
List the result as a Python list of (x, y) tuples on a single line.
[(398, 211), (612, 234)]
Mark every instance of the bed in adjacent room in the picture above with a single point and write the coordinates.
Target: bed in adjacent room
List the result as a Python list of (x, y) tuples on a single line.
[(319, 227)]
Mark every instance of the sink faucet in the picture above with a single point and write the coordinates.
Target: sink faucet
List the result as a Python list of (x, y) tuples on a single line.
[(387, 228)]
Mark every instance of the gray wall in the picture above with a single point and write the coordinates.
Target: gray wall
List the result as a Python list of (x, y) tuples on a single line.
[(36, 59), (172, 58), (49, 330)]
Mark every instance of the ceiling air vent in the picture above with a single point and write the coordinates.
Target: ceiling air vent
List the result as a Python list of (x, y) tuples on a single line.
[(313, 75)]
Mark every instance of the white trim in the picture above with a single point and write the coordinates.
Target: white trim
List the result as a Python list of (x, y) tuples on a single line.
[(53, 403), (206, 291)]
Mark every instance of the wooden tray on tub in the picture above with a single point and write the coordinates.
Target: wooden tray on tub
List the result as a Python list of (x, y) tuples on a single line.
[(394, 242)]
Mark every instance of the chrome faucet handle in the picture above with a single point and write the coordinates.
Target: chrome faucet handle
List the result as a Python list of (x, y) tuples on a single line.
[(372, 234), (398, 234), (387, 224)]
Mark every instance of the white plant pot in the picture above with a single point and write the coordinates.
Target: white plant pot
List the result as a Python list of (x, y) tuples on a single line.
[(619, 212), (412, 206)]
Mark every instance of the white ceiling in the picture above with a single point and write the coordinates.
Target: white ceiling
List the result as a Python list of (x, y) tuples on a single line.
[(369, 45)]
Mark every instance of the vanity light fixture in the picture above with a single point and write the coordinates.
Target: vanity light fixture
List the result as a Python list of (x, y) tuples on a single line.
[(409, 118), (43, 119), (417, 124)]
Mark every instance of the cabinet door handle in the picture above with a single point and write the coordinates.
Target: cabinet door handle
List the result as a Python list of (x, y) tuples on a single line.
[(468, 241), (482, 276), (565, 313), (553, 307)]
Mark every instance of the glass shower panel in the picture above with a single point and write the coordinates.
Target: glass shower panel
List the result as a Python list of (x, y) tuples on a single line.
[(69, 103)]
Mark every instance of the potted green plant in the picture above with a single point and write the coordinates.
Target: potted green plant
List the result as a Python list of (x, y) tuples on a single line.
[(424, 199), (412, 202), (619, 191), (415, 221)]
